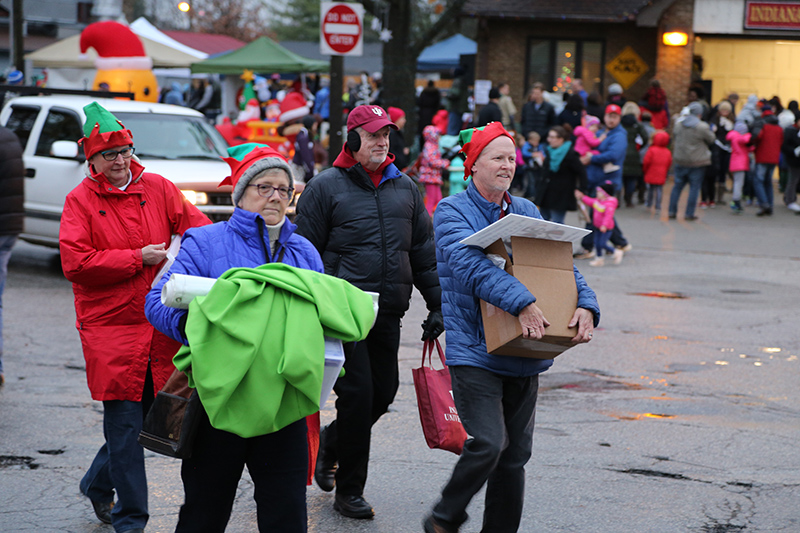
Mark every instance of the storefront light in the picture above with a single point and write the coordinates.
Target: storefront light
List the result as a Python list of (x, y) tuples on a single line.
[(675, 38)]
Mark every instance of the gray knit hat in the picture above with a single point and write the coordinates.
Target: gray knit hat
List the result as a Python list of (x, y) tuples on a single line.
[(248, 161)]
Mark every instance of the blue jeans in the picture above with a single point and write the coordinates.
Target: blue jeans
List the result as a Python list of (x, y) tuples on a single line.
[(454, 123), (119, 464), (683, 175), (498, 412), (763, 184), (654, 196), (601, 243), (553, 215), (6, 244)]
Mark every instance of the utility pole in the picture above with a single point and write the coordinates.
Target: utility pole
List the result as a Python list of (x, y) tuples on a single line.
[(17, 38), (337, 80)]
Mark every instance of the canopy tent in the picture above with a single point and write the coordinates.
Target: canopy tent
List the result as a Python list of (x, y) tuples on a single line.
[(446, 54), (66, 53), (145, 30), (261, 55)]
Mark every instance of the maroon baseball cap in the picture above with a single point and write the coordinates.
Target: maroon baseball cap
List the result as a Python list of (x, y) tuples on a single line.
[(613, 108), (370, 117)]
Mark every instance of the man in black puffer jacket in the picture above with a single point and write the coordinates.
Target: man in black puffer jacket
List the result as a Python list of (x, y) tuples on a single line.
[(369, 223), (12, 211)]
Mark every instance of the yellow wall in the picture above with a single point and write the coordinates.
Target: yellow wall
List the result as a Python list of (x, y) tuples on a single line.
[(750, 66)]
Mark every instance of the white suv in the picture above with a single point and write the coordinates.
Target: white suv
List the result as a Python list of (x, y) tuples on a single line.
[(175, 142)]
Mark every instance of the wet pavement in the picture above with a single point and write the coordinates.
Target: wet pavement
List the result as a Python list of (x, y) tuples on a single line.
[(681, 415)]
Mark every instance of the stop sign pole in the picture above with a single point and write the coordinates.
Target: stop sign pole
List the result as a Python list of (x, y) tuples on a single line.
[(341, 33)]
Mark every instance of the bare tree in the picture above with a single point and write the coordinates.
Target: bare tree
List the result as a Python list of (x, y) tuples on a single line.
[(413, 26)]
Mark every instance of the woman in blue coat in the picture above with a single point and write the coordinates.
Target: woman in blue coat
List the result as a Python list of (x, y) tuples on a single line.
[(257, 233)]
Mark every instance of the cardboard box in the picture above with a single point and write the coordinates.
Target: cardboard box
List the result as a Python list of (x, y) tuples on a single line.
[(545, 268)]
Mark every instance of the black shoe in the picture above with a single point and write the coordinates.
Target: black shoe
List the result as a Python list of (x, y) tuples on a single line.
[(433, 525), (689, 219), (325, 469), (353, 506), (673, 217), (137, 530), (767, 211), (102, 511)]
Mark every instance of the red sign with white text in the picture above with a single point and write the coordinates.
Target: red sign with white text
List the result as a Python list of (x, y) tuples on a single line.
[(341, 29), (772, 15)]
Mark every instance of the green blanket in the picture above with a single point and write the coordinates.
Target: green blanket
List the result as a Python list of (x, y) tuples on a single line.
[(256, 349)]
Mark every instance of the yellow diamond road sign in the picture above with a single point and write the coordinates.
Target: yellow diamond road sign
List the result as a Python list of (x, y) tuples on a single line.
[(627, 67)]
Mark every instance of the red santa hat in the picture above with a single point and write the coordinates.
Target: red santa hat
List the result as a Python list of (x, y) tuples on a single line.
[(293, 107), (117, 47)]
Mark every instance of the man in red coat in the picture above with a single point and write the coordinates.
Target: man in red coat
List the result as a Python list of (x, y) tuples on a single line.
[(768, 154), (114, 231)]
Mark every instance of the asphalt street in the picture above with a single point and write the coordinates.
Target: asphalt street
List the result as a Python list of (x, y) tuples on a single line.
[(682, 415)]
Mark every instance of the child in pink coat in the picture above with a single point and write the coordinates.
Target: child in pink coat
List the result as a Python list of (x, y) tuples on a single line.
[(431, 166), (740, 162), (603, 208), (585, 140)]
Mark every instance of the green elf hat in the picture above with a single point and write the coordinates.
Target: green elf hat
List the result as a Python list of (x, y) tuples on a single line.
[(102, 130), (474, 140), (248, 161)]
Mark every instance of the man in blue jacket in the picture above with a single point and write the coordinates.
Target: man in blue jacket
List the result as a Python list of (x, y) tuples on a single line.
[(607, 166), (495, 395)]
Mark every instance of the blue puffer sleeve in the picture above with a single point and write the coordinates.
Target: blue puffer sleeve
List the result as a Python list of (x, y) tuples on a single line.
[(190, 260), (469, 265), (587, 299)]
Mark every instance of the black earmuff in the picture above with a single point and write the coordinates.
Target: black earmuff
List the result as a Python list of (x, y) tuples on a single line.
[(353, 141)]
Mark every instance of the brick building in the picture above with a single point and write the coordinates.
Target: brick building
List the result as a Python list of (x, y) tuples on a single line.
[(743, 46)]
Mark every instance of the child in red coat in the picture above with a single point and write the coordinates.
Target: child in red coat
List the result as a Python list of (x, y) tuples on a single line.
[(603, 208), (656, 164)]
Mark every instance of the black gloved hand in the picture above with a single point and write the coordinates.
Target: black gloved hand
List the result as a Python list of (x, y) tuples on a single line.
[(433, 326)]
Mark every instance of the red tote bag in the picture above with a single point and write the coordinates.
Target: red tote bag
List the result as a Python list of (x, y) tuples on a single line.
[(437, 411)]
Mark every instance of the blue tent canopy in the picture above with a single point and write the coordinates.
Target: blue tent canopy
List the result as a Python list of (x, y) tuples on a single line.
[(446, 54)]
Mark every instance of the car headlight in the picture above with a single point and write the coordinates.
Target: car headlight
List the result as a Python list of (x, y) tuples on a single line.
[(195, 197)]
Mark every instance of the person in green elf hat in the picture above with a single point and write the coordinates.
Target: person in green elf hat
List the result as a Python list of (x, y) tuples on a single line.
[(257, 233), (113, 233)]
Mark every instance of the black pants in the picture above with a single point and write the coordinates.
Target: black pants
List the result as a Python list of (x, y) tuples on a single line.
[(278, 465), (364, 394)]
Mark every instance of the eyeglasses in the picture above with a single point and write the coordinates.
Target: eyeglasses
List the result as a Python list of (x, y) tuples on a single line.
[(266, 191), (111, 155)]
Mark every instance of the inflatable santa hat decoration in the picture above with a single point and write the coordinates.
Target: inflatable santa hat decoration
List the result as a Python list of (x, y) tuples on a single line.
[(122, 63)]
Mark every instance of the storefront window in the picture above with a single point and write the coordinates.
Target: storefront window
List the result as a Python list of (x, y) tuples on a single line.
[(557, 62)]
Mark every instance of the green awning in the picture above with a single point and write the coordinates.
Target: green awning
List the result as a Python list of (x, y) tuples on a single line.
[(262, 55)]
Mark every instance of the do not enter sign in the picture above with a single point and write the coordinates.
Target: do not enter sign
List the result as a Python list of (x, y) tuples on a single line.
[(341, 31)]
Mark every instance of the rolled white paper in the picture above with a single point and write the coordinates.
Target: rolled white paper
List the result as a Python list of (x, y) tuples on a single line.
[(181, 289)]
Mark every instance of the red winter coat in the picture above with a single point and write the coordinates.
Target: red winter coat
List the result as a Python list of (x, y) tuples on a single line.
[(657, 160), (103, 230), (768, 145)]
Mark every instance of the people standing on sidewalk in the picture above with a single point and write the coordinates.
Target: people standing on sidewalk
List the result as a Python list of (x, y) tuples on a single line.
[(768, 153), (714, 181), (491, 112), (562, 173), (369, 224), (740, 162), (495, 395), (638, 137), (114, 230), (586, 138), (537, 114), (791, 155), (606, 165), (656, 165), (691, 154), (12, 211), (507, 107), (603, 205), (430, 168)]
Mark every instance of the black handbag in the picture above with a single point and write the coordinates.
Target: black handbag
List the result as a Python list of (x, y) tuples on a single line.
[(172, 421)]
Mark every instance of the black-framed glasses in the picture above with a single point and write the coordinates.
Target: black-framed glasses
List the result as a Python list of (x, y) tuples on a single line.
[(111, 155), (266, 191)]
